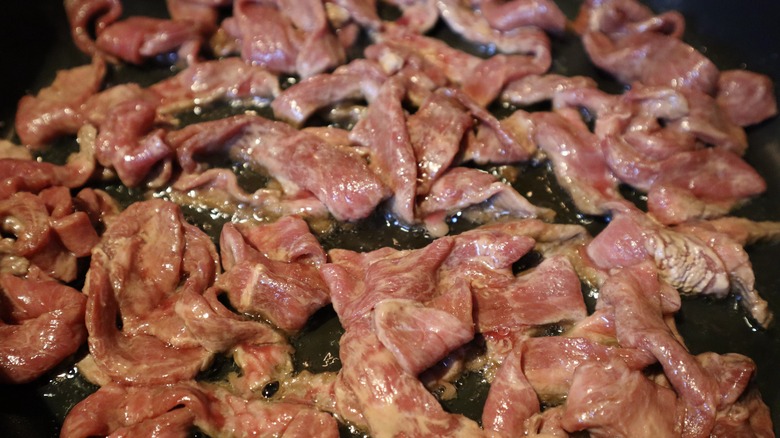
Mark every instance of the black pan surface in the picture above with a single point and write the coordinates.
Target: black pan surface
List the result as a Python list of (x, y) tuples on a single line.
[(35, 42)]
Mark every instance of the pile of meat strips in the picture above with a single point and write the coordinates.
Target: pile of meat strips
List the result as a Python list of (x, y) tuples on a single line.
[(409, 130)]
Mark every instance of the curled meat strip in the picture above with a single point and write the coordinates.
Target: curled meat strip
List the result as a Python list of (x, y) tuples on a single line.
[(42, 324)]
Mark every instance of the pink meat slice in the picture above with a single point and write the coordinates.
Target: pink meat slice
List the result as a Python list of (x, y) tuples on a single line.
[(417, 335), (436, 131), (577, 159), (228, 78), (551, 361), (686, 263), (293, 157), (461, 187), (383, 131), (320, 50), (634, 295), (146, 260), (506, 16), (534, 89), (286, 293), (54, 111), (609, 399), (359, 281), (128, 142), (625, 39), (697, 184), (389, 401), (84, 14), (172, 410), (137, 38), (43, 324), (359, 79), (511, 400), (549, 294), (746, 97), (737, 264)]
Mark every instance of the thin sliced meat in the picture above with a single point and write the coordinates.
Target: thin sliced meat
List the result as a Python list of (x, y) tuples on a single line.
[(147, 258), (175, 409), (506, 16), (548, 294), (357, 80), (54, 111), (320, 50), (746, 97), (418, 336), (351, 193), (511, 400), (634, 295), (84, 14), (358, 281), (738, 266), (686, 263), (698, 184), (473, 26), (202, 83), (383, 131), (611, 400), (219, 189), (463, 187), (285, 292), (710, 124), (533, 89), (551, 361), (436, 131), (128, 143), (137, 38), (389, 401), (577, 159), (266, 36), (43, 324)]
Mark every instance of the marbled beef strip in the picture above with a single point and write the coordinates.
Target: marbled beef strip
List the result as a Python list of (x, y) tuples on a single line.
[(387, 401), (634, 295), (37, 226), (747, 98), (698, 184), (293, 157), (533, 89), (360, 79), (577, 160), (42, 324), (359, 281), (83, 14), (548, 294), (511, 400), (383, 131), (175, 409), (129, 143), (55, 110), (257, 281), (204, 82), (218, 188), (738, 266), (136, 39), (320, 50), (623, 38), (462, 187), (608, 399), (136, 274), (474, 26), (417, 335), (436, 131)]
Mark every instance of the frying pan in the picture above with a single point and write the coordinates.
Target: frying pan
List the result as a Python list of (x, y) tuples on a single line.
[(35, 43)]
